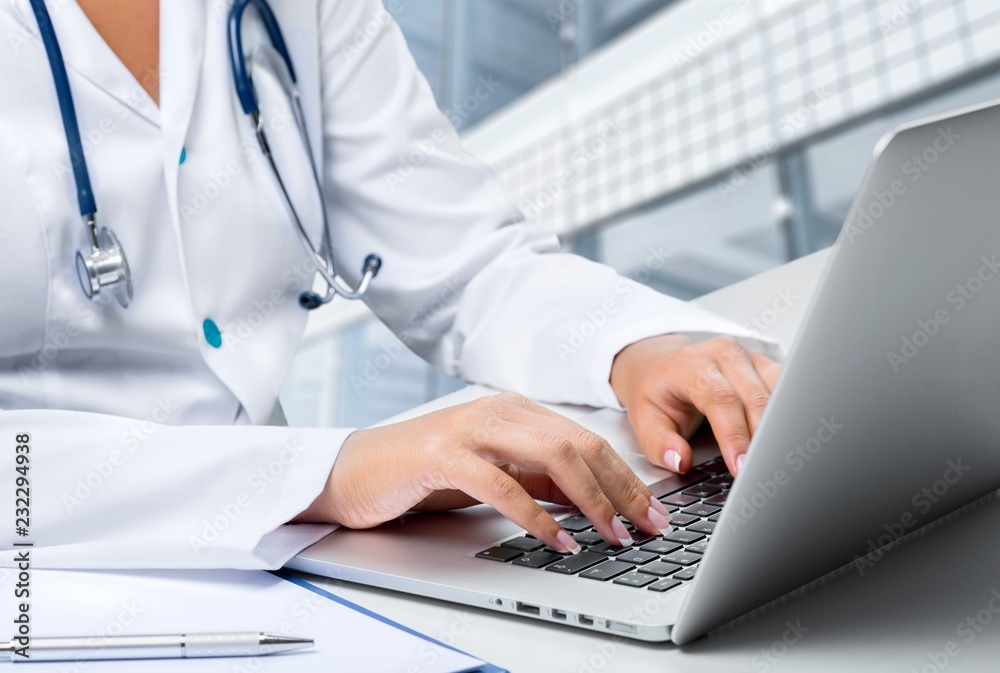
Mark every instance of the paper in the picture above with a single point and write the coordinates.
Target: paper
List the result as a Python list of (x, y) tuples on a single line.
[(74, 603)]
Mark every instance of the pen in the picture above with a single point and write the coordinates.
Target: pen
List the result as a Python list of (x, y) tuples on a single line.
[(181, 646)]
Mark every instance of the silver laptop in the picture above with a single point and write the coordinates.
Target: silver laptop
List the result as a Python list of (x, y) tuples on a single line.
[(887, 416)]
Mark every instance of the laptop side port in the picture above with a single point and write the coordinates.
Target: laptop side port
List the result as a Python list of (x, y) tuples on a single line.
[(558, 614), (621, 627), (585, 620), (527, 609)]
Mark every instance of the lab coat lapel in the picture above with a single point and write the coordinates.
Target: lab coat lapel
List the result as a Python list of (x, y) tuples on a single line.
[(86, 53), (182, 47)]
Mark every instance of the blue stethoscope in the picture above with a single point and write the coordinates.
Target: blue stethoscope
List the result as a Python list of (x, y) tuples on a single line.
[(104, 268)]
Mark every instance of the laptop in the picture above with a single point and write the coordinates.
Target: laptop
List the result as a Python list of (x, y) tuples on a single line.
[(884, 419)]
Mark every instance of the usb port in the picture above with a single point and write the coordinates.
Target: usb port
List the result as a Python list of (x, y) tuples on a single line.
[(527, 609)]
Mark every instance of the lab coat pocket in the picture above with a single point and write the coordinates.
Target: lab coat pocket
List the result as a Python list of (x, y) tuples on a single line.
[(24, 271)]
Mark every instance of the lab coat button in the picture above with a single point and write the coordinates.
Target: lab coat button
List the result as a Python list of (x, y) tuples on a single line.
[(212, 334)]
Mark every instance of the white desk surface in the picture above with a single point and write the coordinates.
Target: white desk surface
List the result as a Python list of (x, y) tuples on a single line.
[(904, 614)]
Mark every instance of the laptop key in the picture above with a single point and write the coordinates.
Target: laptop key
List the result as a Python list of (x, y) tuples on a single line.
[(724, 481), (607, 549), (574, 564), (502, 554), (701, 491), (639, 538), (664, 585), (607, 570), (575, 524), (719, 499), (682, 519), (660, 569), (588, 538), (637, 556), (537, 559), (715, 517), (684, 536), (683, 558), (698, 547), (679, 499), (677, 482), (635, 579), (714, 466), (701, 509), (706, 527), (686, 574), (523, 544), (660, 547)]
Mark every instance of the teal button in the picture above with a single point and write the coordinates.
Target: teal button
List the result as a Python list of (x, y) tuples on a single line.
[(184, 154), (212, 334)]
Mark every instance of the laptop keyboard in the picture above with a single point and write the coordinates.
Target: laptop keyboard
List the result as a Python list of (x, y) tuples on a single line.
[(654, 563)]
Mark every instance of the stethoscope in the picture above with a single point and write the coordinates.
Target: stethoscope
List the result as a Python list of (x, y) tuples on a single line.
[(104, 267)]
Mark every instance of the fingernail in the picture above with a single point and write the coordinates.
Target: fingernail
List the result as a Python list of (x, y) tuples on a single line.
[(621, 533), (567, 541), (673, 460), (660, 507), (739, 462), (657, 520)]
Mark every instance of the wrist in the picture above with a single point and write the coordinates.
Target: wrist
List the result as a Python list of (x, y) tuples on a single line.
[(632, 361)]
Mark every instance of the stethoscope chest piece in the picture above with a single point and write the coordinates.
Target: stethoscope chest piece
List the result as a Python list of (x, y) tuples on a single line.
[(104, 268)]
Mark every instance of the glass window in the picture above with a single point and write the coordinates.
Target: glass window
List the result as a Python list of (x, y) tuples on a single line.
[(359, 375), (599, 21), (698, 243)]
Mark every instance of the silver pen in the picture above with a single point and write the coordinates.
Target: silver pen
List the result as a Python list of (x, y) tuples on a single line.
[(181, 646)]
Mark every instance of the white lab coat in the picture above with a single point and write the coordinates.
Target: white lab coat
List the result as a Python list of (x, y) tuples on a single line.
[(143, 446)]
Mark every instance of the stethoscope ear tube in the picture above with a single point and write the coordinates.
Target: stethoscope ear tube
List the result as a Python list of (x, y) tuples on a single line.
[(321, 255), (370, 269)]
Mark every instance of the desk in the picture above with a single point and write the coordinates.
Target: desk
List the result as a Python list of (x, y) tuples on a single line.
[(903, 614)]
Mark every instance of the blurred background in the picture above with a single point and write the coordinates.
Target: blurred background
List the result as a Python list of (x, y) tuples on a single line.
[(730, 135)]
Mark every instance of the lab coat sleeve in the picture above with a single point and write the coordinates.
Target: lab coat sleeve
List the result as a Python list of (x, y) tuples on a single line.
[(466, 282), (109, 492)]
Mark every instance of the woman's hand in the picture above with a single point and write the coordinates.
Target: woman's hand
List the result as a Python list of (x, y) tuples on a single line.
[(505, 451), (669, 384)]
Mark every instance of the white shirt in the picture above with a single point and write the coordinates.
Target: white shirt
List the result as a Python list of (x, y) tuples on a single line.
[(143, 446)]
